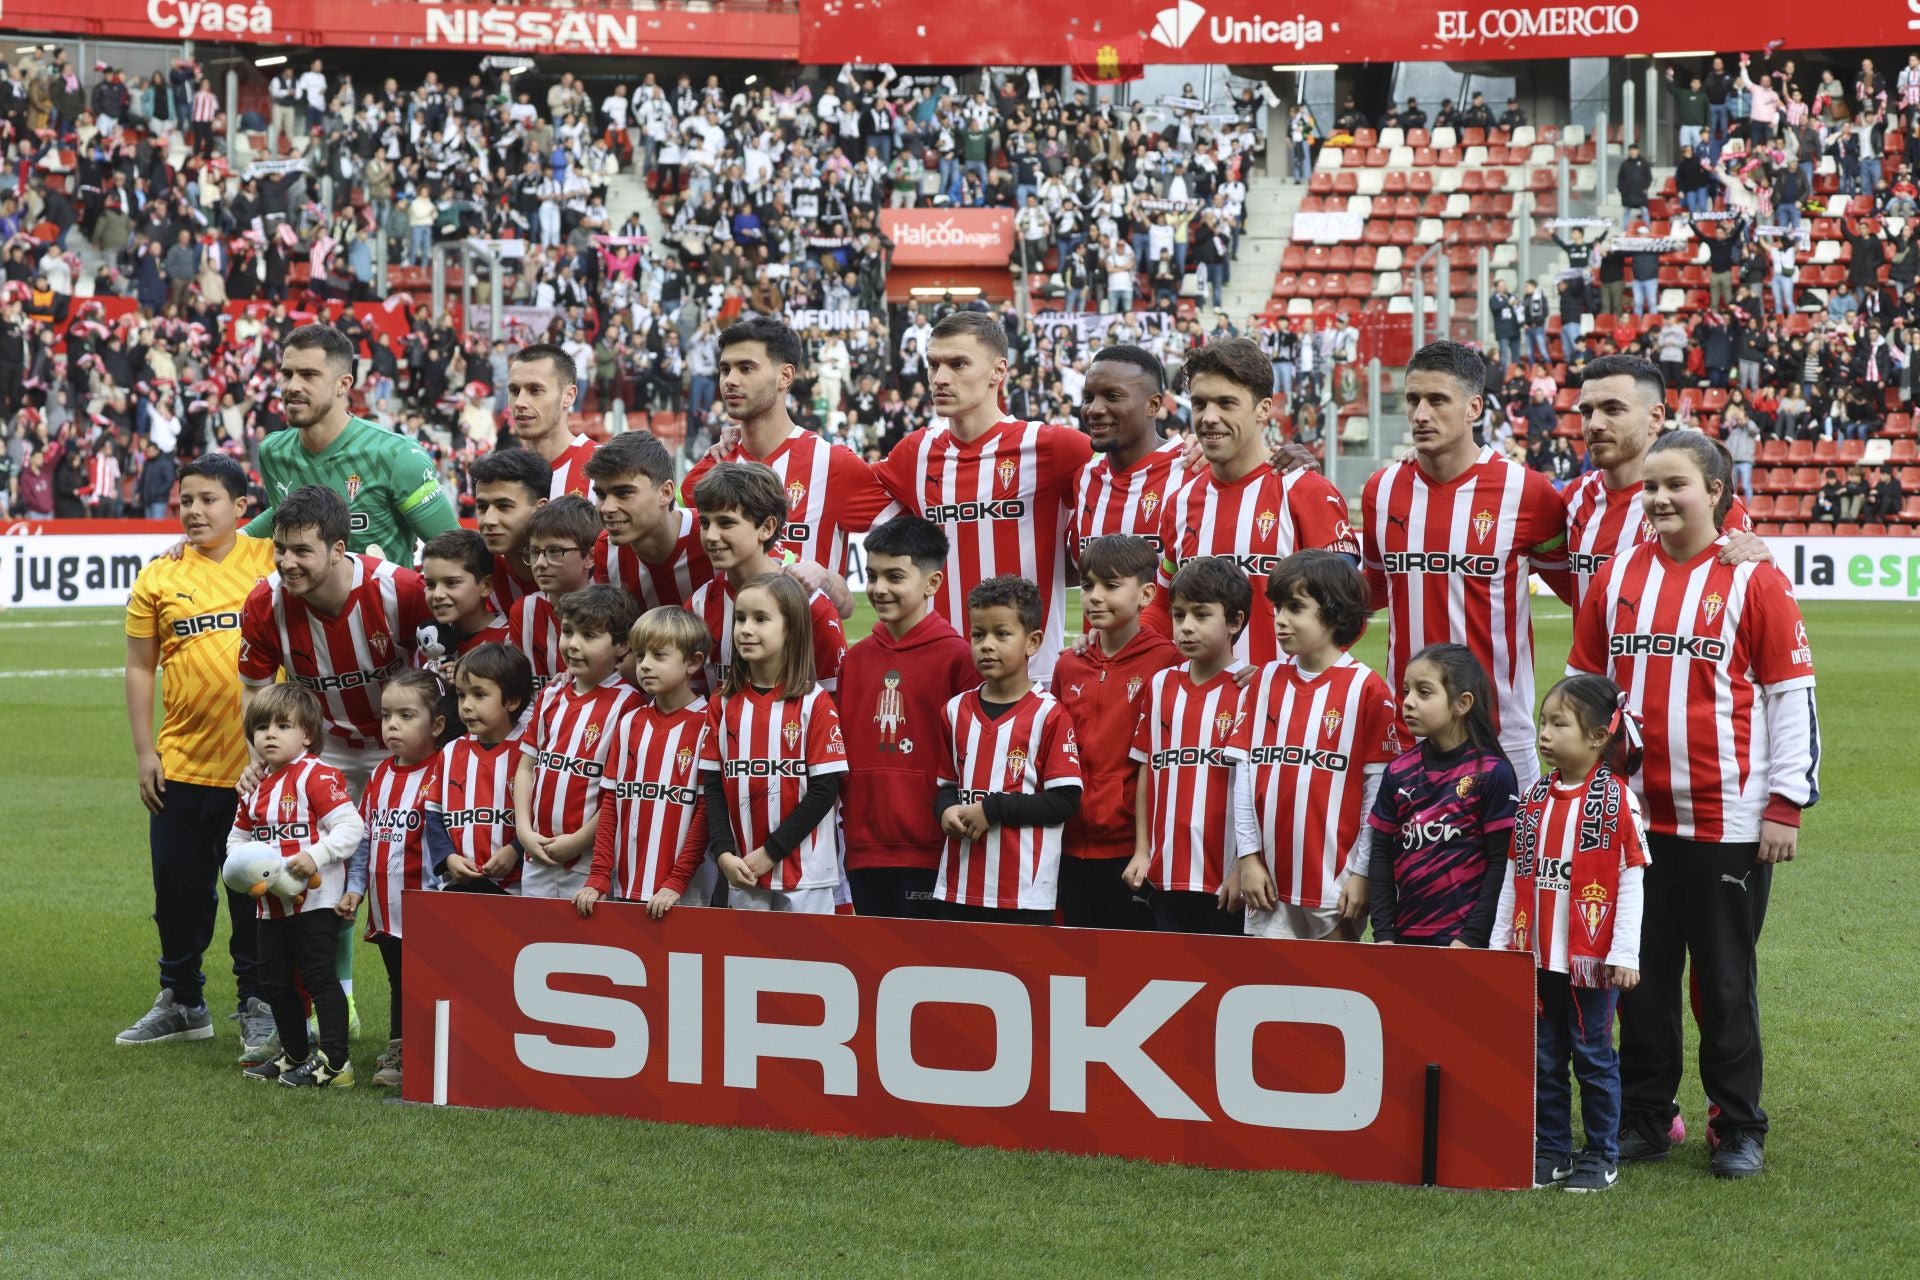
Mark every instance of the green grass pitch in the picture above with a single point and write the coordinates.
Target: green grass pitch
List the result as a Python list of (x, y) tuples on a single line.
[(162, 1162)]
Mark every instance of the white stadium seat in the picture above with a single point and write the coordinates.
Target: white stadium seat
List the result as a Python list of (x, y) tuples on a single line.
[(1391, 138), (1522, 136), (1388, 259)]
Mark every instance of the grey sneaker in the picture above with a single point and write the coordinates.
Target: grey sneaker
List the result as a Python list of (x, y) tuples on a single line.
[(169, 1021), (1592, 1172), (266, 1051), (267, 1072), (256, 1028), (317, 1072), (386, 1068)]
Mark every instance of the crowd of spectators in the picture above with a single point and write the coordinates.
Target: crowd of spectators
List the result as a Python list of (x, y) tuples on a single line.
[(768, 198)]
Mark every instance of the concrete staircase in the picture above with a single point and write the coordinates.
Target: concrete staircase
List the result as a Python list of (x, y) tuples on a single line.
[(626, 195), (1271, 203)]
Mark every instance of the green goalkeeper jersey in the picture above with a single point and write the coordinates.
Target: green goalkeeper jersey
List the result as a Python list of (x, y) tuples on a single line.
[(393, 492)]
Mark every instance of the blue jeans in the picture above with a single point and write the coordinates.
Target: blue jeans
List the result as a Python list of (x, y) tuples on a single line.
[(422, 247), (700, 394), (157, 510), (1646, 297), (1569, 335), (1698, 200), (1869, 174), (1509, 353), (1283, 380), (1743, 479), (1575, 1025), (1536, 343), (1217, 273), (1719, 119), (1782, 294)]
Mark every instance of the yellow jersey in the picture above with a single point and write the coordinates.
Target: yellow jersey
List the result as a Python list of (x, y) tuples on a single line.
[(193, 606)]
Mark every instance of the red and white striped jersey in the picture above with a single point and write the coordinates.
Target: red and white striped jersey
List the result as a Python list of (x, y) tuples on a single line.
[(830, 493), (653, 783), (1256, 521), (765, 748), (1604, 523), (1549, 934), (343, 659), (1006, 503), (1029, 749), (1450, 562), (395, 810), (653, 585), (714, 604), (506, 588), (570, 469), (285, 811), (1310, 741), (568, 736), (472, 789), (534, 629), (1130, 501), (1697, 647), (1181, 735)]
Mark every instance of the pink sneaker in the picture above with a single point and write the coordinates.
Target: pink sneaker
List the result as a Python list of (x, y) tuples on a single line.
[(1677, 1131)]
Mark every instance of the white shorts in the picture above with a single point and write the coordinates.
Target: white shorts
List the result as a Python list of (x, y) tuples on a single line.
[(812, 902), (538, 880), (356, 764), (1309, 924)]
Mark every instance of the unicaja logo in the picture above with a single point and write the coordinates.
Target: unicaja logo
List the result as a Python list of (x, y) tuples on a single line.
[(1174, 27), (1171, 27)]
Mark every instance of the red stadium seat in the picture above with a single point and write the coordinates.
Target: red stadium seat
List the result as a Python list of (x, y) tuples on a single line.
[(1761, 507), (1806, 479), (1800, 452), (1470, 182), (1825, 452), (1905, 451), (1793, 529), (1910, 514), (1346, 184), (1846, 529), (1320, 184), (1364, 257), (1772, 452), (1379, 232), (1365, 138), (1473, 137), (1419, 138), (1340, 258), (1395, 183), (1899, 425), (1449, 158), (1294, 258)]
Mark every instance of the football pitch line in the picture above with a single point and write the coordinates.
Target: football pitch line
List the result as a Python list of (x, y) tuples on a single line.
[(82, 672)]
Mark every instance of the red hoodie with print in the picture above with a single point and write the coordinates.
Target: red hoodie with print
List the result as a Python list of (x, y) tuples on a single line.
[(891, 695), (1103, 696)]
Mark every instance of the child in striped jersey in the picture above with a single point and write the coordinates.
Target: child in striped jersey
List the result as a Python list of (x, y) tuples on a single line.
[(1010, 770), (302, 809), (470, 819), (1187, 718), (1315, 734), (1445, 810), (415, 714), (457, 569), (1574, 900), (563, 754), (774, 757), (650, 843), (560, 539)]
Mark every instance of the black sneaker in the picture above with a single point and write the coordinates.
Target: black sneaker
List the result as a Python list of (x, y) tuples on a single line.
[(1638, 1146), (319, 1073), (1739, 1155), (1551, 1170), (1592, 1172), (272, 1069)]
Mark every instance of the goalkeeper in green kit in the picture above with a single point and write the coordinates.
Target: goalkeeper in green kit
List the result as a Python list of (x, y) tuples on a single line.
[(392, 489)]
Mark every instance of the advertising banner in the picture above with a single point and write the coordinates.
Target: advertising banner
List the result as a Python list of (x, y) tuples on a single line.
[(949, 237), (57, 570), (615, 29), (1247, 31), (1850, 568), (1235, 1053)]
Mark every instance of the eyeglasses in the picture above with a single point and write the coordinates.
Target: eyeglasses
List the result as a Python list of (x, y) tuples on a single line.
[(535, 555)]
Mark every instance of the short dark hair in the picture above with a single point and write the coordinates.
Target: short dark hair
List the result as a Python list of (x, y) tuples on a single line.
[(1215, 580), (506, 667), (1645, 373), (291, 701), (1119, 555), (1009, 591), (1139, 357), (981, 326), (599, 607), (314, 506), (1238, 360), (628, 454), (919, 540), (463, 547), (523, 467), (571, 517), (1332, 582), (750, 488), (335, 345), (1456, 359), (219, 468), (563, 365), (781, 342)]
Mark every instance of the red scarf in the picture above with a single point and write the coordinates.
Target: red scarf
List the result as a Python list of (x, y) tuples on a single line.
[(1594, 877)]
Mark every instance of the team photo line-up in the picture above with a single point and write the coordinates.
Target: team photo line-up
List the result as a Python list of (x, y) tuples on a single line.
[(623, 687)]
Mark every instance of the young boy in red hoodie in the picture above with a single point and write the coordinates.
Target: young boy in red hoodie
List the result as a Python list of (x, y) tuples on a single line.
[(893, 686), (1102, 689)]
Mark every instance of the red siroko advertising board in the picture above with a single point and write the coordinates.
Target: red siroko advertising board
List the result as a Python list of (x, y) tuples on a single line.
[(1226, 1052)]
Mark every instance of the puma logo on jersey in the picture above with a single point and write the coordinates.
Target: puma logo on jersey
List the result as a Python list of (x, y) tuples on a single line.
[(1739, 880), (184, 595), (1631, 606), (1399, 520)]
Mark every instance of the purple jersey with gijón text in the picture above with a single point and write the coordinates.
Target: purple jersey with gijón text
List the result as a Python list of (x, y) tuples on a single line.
[(1440, 807)]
